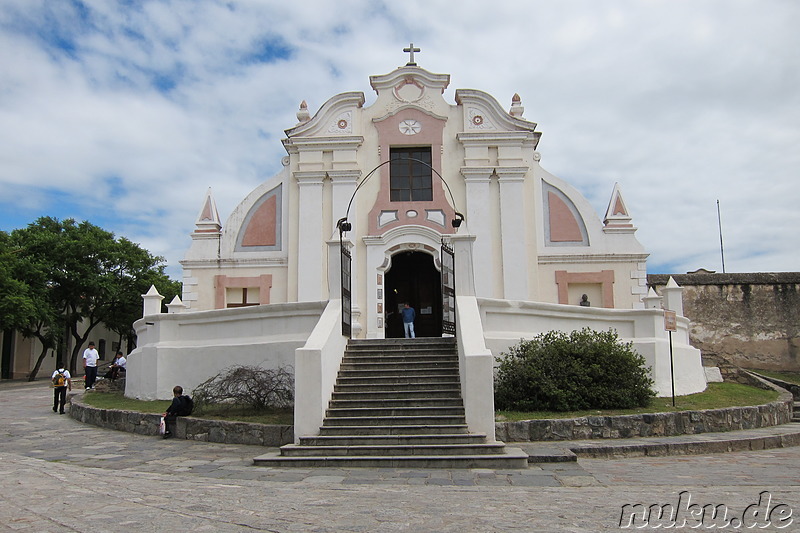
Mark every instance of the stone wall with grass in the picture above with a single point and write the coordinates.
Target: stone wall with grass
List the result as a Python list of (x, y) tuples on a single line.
[(650, 425), (187, 427)]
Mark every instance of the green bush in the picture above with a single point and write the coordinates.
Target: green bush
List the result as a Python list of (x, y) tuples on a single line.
[(585, 369)]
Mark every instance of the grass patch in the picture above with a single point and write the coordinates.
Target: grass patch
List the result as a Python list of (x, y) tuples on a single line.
[(716, 396), (115, 400), (789, 377)]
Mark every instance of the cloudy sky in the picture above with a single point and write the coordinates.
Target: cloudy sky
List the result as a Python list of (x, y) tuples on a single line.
[(123, 113)]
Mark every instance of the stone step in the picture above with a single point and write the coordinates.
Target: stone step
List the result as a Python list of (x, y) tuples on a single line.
[(385, 373), (397, 404), (396, 450), (383, 421), (398, 355), (395, 412), (399, 380), (398, 387), (391, 403), (373, 440), (512, 458), (400, 364), (400, 349), (408, 394), (448, 342), (409, 429)]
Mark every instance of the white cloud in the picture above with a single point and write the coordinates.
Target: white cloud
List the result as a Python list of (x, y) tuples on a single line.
[(134, 110)]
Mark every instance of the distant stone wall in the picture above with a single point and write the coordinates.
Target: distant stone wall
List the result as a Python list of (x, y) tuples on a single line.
[(750, 320)]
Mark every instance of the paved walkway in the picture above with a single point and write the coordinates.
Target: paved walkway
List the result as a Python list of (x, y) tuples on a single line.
[(57, 474)]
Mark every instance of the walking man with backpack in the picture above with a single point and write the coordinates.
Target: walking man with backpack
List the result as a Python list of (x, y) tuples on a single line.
[(61, 382)]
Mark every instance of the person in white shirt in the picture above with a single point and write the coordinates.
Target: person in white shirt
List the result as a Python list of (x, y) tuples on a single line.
[(90, 357), (117, 366), (61, 382)]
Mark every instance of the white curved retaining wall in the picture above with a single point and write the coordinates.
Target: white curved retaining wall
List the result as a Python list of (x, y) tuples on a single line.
[(190, 347), (505, 322)]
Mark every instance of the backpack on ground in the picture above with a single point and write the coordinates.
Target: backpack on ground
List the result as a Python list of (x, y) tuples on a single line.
[(60, 380)]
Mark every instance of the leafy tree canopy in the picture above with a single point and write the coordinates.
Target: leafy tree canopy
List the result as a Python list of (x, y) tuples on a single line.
[(83, 276)]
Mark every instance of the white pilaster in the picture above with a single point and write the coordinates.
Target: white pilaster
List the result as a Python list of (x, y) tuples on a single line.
[(311, 274), (344, 183), (465, 265), (479, 224), (512, 228)]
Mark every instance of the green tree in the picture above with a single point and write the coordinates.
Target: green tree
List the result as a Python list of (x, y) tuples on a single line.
[(90, 276), (36, 314), (17, 308)]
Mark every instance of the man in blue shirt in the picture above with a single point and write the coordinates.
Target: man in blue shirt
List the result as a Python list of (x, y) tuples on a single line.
[(408, 320)]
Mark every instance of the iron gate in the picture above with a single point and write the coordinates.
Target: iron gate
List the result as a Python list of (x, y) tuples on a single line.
[(346, 296), (448, 290)]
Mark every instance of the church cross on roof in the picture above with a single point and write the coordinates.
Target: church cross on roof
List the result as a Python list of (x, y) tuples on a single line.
[(410, 50)]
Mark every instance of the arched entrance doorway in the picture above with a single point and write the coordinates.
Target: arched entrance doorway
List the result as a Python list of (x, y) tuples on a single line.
[(413, 278)]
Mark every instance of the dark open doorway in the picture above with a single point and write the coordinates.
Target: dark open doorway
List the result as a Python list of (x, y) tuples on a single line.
[(413, 278)]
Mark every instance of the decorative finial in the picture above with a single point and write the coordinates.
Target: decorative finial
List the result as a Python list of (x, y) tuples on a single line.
[(516, 106), (411, 50), (303, 114)]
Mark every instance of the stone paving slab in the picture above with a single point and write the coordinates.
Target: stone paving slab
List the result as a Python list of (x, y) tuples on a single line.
[(173, 485)]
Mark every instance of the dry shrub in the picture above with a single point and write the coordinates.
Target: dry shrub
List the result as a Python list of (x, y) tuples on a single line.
[(250, 387)]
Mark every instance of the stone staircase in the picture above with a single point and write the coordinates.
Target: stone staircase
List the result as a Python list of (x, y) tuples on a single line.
[(397, 404), (796, 412)]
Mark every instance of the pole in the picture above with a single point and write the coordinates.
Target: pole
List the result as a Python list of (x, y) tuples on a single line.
[(721, 248), (671, 368)]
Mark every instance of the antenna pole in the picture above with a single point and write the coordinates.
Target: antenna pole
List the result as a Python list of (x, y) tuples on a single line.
[(721, 247)]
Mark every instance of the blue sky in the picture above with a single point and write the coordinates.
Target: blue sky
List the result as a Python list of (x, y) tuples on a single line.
[(124, 113)]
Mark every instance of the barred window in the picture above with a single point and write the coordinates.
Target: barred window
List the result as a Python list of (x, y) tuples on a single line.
[(410, 180)]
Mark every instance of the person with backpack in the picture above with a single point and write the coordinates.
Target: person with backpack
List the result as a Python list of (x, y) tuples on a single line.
[(61, 382), (182, 405)]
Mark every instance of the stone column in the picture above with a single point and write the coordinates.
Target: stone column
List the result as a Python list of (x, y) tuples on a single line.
[(310, 269), (512, 229)]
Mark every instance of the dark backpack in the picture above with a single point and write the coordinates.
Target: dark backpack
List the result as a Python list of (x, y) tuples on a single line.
[(187, 406)]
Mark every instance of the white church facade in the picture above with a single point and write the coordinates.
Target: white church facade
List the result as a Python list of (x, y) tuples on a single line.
[(390, 182)]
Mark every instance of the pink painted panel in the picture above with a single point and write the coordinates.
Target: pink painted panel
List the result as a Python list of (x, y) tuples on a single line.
[(261, 229), (563, 226)]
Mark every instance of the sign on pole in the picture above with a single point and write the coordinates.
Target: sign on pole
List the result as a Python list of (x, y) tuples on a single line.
[(670, 320), (671, 324)]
